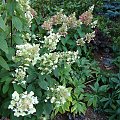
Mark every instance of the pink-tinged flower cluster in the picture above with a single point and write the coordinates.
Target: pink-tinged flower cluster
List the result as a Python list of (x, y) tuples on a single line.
[(87, 16), (66, 22)]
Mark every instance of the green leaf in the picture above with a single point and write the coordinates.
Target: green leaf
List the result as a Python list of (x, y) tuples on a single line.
[(38, 93), (85, 49), (2, 24), (10, 6), (118, 111), (18, 40), (96, 86), (104, 99), (12, 117), (48, 108), (6, 79), (73, 108), (17, 23), (30, 88), (5, 88), (90, 102), (103, 88), (3, 43), (114, 79), (18, 88), (39, 109), (95, 101), (80, 32), (78, 90), (10, 53), (43, 84), (3, 63), (56, 72), (65, 40)]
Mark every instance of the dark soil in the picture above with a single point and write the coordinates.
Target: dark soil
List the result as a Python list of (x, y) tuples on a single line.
[(90, 115), (103, 52), (3, 118)]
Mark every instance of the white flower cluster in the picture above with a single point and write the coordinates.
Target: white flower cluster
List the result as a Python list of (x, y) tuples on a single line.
[(24, 3), (59, 95), (88, 37), (27, 53), (91, 8), (72, 21), (49, 62), (69, 57), (28, 37), (29, 16), (29, 12), (63, 30), (23, 104), (80, 42), (20, 74), (50, 42), (94, 23)]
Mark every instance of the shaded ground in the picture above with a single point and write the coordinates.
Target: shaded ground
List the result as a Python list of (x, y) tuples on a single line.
[(3, 118), (90, 115), (102, 51)]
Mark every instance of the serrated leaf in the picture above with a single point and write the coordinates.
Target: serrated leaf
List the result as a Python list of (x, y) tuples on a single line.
[(2, 24), (3, 63), (17, 23), (3, 43)]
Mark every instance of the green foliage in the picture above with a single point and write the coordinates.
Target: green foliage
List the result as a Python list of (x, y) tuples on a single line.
[(3, 63), (2, 24), (17, 23), (110, 99)]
